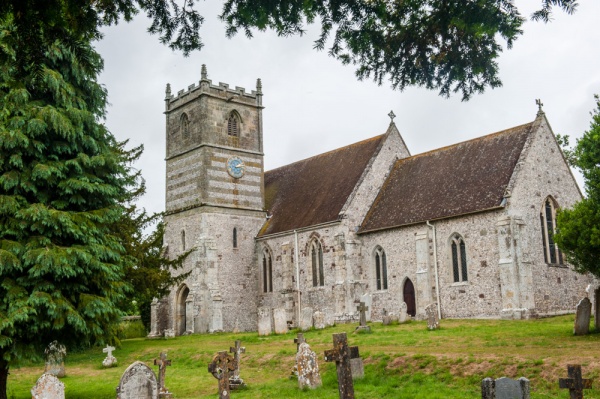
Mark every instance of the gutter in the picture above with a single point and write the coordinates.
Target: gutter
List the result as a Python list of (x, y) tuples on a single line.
[(435, 266)]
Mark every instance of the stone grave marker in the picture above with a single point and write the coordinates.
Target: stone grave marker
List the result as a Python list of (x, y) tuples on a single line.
[(109, 360), (55, 359), (298, 341), (306, 319), (235, 382), (362, 309), (367, 299), (403, 315), (505, 388), (308, 368), (582, 317), (386, 319), (264, 321), (341, 355), (280, 319), (319, 320), (221, 367), (138, 382), (48, 386), (575, 383), (433, 322), (169, 333), (162, 363)]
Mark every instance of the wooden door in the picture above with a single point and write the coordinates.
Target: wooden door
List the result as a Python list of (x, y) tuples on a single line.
[(409, 297)]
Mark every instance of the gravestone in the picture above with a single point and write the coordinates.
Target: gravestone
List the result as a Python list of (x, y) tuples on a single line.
[(367, 299), (48, 386), (505, 388), (575, 383), (235, 381), (138, 382), (110, 360), (362, 309), (280, 319), (308, 368), (298, 341), (357, 366), (221, 367), (169, 333), (162, 363), (433, 322), (386, 319), (403, 315), (582, 317), (264, 321), (55, 359), (341, 355), (319, 320), (306, 319)]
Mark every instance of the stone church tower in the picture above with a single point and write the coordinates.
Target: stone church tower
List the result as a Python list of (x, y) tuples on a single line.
[(214, 206)]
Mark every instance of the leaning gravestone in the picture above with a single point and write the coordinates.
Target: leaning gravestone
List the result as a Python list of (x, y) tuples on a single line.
[(505, 388), (138, 382), (582, 317), (55, 359), (319, 320), (403, 313), (48, 386), (280, 321), (433, 322), (308, 368), (264, 321), (306, 319)]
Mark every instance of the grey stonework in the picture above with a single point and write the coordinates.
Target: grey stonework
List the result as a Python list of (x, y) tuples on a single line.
[(507, 274)]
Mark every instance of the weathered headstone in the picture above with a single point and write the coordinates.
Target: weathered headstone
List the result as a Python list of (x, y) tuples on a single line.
[(138, 382), (298, 341), (306, 319), (403, 315), (357, 366), (265, 326), (109, 360), (367, 299), (582, 317), (432, 316), (575, 383), (221, 367), (505, 388), (319, 320), (386, 319), (341, 355), (235, 381), (362, 309), (280, 320), (48, 386), (162, 363), (169, 333), (55, 359), (308, 368), (154, 332)]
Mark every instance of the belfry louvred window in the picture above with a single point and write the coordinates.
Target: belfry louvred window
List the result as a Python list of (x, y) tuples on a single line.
[(552, 254), (233, 125)]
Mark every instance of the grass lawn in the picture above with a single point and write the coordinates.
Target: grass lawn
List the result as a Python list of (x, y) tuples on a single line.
[(401, 361)]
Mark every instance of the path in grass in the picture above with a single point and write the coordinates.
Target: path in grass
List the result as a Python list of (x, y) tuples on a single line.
[(401, 361)]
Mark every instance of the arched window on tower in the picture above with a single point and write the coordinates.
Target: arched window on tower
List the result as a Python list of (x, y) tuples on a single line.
[(381, 281), (316, 254), (267, 271), (459, 258), (185, 125), (233, 124), (552, 254)]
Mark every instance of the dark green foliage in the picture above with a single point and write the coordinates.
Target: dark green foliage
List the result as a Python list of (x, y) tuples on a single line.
[(578, 233)]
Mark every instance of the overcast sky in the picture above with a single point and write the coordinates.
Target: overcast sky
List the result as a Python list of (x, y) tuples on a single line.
[(314, 104)]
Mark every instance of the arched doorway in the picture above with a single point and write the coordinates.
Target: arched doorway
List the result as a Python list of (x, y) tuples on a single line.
[(409, 297), (180, 321)]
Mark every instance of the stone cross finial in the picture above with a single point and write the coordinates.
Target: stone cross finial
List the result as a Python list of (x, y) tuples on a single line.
[(392, 115), (203, 73), (236, 350), (341, 355), (540, 105), (221, 367), (575, 383), (259, 86), (168, 90), (162, 364)]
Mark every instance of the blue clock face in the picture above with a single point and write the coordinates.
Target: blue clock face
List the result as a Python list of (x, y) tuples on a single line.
[(235, 167)]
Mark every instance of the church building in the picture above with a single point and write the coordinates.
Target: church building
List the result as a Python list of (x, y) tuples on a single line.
[(467, 227)]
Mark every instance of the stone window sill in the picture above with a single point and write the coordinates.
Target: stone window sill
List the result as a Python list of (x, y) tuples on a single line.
[(380, 292), (558, 265), (460, 284)]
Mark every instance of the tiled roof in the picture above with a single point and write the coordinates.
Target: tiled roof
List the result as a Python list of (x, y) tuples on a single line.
[(314, 190), (463, 178)]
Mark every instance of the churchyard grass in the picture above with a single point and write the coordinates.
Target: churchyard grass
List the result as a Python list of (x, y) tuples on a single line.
[(401, 361)]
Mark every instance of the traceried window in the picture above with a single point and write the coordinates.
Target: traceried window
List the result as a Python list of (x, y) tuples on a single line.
[(381, 280), (185, 125), (459, 258), (552, 255), (233, 124), (316, 255), (235, 237), (267, 271)]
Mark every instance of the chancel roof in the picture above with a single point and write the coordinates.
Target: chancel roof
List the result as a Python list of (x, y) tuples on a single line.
[(314, 190), (463, 178)]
